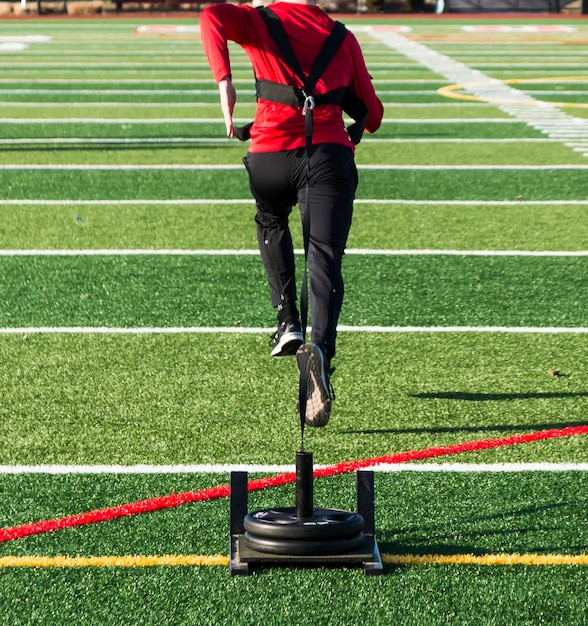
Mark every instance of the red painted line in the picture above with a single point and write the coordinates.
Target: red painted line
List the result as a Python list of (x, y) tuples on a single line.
[(469, 446), (222, 491)]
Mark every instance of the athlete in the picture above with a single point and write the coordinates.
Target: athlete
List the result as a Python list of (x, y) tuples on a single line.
[(288, 164)]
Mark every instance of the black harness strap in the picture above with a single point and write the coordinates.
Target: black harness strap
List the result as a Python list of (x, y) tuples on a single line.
[(278, 34), (319, 65), (294, 96), (302, 96)]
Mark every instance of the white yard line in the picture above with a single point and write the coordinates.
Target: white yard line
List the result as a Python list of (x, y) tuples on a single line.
[(177, 330), (132, 252), (247, 82), (255, 252), (211, 141), (177, 92), (541, 116), (117, 66), (117, 81), (248, 201), (218, 120), (199, 103), (127, 202), (537, 65), (223, 167), (224, 140), (198, 92), (119, 140), (520, 52), (124, 92), (485, 253), (20, 104), (225, 468), (202, 67), (546, 330), (118, 120)]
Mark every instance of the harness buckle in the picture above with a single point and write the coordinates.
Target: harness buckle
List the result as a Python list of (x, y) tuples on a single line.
[(308, 105)]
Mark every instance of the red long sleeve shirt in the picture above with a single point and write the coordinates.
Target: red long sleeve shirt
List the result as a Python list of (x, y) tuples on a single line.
[(277, 126)]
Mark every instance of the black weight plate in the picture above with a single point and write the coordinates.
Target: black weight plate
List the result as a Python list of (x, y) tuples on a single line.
[(324, 524), (303, 547)]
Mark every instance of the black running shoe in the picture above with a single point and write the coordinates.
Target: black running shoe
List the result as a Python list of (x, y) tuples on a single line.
[(313, 363), (287, 339)]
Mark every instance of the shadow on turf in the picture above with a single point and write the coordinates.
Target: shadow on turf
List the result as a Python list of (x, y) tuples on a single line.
[(481, 397), (493, 397), (430, 539), (502, 428)]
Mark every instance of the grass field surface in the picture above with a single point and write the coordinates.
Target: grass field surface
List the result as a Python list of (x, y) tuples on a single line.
[(135, 319)]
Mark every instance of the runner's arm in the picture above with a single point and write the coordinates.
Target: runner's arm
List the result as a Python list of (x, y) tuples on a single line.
[(361, 85)]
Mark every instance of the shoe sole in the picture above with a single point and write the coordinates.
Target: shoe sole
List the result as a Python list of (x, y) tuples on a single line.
[(288, 344), (318, 398)]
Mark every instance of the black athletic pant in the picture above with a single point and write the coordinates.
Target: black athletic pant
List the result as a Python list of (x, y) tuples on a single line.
[(278, 181)]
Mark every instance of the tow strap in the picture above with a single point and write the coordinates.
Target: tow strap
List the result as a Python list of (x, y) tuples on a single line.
[(304, 98)]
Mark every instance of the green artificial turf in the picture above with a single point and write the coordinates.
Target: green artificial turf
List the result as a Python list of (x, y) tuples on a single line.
[(194, 150), (413, 184), (221, 226), (219, 398), (168, 290), (130, 128), (166, 597), (186, 398), (417, 513)]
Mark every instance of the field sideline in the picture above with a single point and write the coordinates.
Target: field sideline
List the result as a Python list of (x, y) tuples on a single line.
[(134, 322)]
